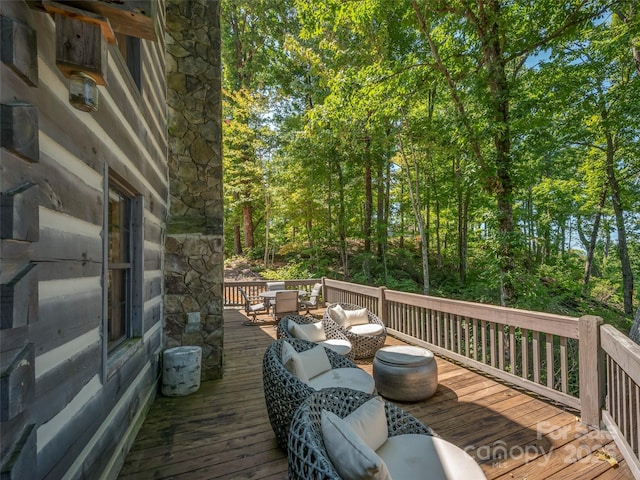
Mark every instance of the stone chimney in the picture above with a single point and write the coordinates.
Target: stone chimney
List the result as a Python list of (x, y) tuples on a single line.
[(194, 269)]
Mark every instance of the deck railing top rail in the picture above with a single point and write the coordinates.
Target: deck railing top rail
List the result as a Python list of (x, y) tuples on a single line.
[(545, 322)]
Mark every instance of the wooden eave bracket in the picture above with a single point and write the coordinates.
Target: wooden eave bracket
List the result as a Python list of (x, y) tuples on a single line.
[(82, 15), (135, 18)]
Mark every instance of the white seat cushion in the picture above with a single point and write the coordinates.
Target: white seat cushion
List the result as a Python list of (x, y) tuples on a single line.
[(368, 329), (350, 377), (338, 345), (351, 457), (412, 455), (314, 332)]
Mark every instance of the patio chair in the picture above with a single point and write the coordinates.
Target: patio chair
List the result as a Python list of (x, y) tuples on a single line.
[(275, 286), (363, 329), (250, 307), (312, 329), (377, 434), (284, 391), (286, 303), (313, 299)]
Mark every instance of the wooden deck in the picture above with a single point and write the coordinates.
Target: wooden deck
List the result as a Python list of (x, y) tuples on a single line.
[(222, 431)]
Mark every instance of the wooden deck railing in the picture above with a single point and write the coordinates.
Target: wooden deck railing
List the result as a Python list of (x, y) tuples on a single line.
[(575, 361), (622, 408), (253, 289), (578, 362)]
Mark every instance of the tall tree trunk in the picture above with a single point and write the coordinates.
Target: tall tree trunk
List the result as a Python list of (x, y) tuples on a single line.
[(588, 266), (266, 231), (498, 177), (401, 242), (491, 39), (368, 199), (463, 202), (247, 217), (634, 333), (628, 17), (381, 218), (414, 195), (438, 239), (237, 240), (625, 263), (341, 223)]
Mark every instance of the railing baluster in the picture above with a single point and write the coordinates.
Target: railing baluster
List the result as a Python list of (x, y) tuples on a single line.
[(525, 352), (549, 350), (563, 364), (512, 350), (484, 341), (535, 345)]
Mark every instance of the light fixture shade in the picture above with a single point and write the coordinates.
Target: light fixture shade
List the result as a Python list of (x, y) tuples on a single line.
[(83, 92)]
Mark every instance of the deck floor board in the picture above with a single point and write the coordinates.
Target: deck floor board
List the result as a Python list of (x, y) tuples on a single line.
[(222, 431)]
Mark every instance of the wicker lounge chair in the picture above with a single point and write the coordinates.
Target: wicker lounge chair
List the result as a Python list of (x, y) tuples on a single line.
[(364, 345), (308, 457), (409, 449), (284, 392), (338, 341)]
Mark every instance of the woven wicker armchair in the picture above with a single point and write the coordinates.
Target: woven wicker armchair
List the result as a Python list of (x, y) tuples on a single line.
[(284, 325), (283, 391), (307, 454), (364, 346)]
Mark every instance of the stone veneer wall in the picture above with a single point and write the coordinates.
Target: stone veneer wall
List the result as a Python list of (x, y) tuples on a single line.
[(194, 271)]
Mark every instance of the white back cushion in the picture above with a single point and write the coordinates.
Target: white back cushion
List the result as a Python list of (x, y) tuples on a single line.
[(315, 361), (357, 317), (351, 457), (292, 362), (305, 365), (369, 421), (314, 332), (338, 315)]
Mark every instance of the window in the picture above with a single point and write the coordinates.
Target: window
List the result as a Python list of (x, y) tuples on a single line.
[(119, 276), (130, 49), (123, 263)]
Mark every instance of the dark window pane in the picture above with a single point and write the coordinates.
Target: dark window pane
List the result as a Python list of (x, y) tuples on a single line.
[(119, 281)]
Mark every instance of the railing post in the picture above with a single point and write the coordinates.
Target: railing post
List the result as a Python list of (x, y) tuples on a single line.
[(382, 305), (324, 292), (592, 370)]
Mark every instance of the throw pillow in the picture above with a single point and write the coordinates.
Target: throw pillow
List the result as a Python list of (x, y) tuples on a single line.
[(369, 421), (314, 361), (338, 315), (351, 457), (293, 362), (314, 332), (357, 317)]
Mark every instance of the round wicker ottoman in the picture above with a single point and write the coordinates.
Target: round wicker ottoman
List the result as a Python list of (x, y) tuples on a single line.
[(405, 373)]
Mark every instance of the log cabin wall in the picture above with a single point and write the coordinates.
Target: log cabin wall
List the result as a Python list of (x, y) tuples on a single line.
[(71, 402)]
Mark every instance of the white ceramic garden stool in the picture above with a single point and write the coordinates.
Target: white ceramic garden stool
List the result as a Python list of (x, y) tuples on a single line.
[(181, 370), (405, 373)]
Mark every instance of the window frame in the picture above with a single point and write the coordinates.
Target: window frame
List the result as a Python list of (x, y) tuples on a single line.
[(115, 355)]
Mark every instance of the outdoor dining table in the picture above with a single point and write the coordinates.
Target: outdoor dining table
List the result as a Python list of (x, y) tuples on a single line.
[(270, 296)]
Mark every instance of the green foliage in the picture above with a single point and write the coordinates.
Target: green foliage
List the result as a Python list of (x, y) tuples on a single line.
[(323, 93)]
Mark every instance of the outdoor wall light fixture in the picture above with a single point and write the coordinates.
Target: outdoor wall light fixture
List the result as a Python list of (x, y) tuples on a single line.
[(83, 92)]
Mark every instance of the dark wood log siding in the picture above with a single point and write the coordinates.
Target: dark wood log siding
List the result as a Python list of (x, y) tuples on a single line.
[(127, 134)]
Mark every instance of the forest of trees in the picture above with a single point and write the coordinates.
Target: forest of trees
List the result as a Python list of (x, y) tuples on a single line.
[(480, 149)]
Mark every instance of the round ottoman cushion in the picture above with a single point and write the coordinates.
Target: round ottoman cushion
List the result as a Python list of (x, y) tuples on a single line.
[(405, 373)]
